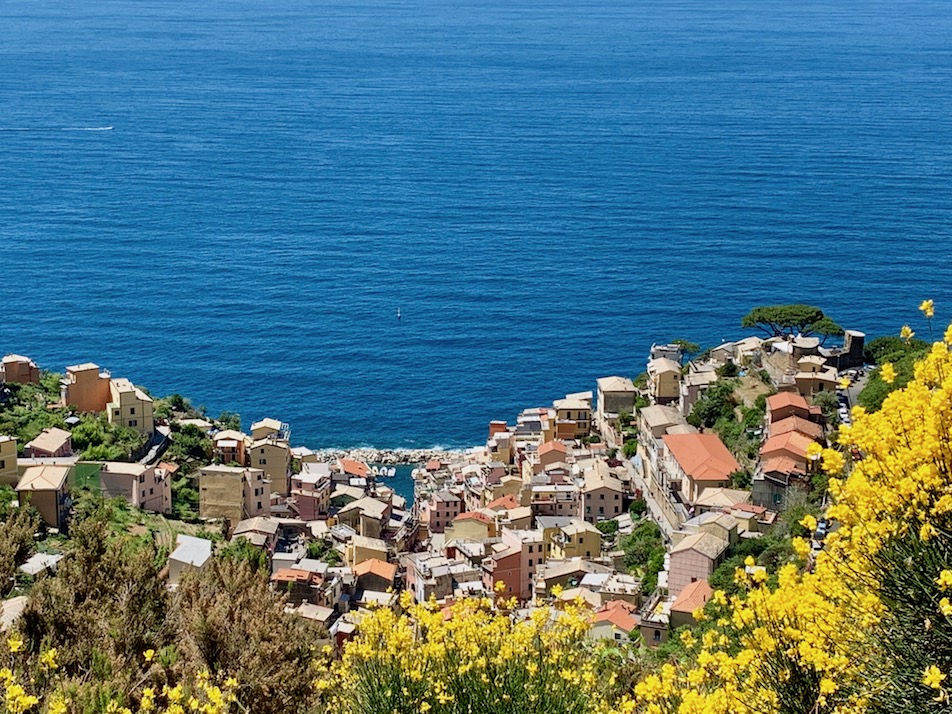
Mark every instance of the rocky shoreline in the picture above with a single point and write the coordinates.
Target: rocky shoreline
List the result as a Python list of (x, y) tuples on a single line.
[(389, 457)]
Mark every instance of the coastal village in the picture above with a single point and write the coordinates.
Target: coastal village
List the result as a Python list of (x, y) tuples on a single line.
[(627, 498)]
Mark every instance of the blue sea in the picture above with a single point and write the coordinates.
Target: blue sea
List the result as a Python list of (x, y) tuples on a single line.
[(232, 200)]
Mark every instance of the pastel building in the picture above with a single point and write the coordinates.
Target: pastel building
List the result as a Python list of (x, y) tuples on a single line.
[(130, 407), (145, 487), (45, 488), (694, 462), (232, 492), (86, 388), (17, 369), (8, 461), (49, 443)]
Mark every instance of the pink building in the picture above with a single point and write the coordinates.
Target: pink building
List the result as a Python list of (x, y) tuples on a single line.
[(439, 510), (50, 443), (693, 559), (519, 556), (311, 492)]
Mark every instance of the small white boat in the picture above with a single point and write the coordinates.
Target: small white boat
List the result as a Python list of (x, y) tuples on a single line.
[(392, 471)]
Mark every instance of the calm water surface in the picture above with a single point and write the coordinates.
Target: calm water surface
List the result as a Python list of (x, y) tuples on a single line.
[(542, 188)]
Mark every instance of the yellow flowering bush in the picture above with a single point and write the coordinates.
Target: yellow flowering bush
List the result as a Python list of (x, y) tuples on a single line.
[(466, 658), (867, 626)]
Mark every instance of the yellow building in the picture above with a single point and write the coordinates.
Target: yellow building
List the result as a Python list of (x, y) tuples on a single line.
[(8, 461), (233, 492), (576, 539), (573, 416), (44, 488), (273, 456), (267, 428), (86, 388), (664, 380), (130, 407), (361, 548)]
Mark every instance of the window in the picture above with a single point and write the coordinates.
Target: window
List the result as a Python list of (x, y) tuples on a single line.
[(588, 509), (616, 496), (259, 505), (141, 478), (2, 463), (132, 410), (143, 494), (115, 412), (601, 497), (530, 562), (262, 462), (656, 636), (601, 509), (133, 422), (151, 491)]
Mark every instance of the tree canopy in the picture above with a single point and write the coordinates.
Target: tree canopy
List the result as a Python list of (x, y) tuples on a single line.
[(783, 320)]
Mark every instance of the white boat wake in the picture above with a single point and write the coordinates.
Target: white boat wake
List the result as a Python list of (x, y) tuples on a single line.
[(64, 128)]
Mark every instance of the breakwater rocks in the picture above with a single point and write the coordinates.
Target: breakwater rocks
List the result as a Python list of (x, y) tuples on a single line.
[(390, 457)]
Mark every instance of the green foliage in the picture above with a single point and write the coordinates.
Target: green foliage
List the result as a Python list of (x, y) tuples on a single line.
[(638, 508), (912, 635), (689, 348), (29, 411), (641, 380), (644, 553), (229, 420), (728, 369), (185, 498), (227, 621), (50, 383), (741, 479), (188, 442), (630, 448), (764, 376), (241, 550), (641, 401), (782, 320), (769, 551), (607, 527), (321, 550), (903, 357), (828, 403), (717, 402), (16, 543), (100, 440), (108, 604), (891, 348)]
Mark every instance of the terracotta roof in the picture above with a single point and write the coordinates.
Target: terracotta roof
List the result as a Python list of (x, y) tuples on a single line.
[(355, 468), (703, 457), (553, 445), (750, 508), (503, 503), (375, 566), (799, 424), (792, 443), (692, 597), (473, 516), (291, 575), (619, 613), (433, 465), (169, 467), (781, 465), (786, 399)]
